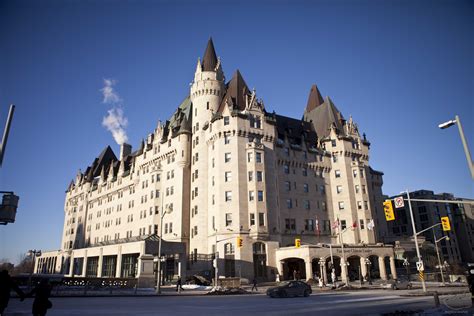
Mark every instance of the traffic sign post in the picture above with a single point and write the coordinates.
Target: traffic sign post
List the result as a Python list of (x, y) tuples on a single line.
[(399, 203)]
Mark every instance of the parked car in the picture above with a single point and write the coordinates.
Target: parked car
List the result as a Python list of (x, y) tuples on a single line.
[(290, 289), (400, 284)]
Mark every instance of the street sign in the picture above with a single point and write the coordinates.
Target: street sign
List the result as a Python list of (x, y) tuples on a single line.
[(399, 203), (419, 266)]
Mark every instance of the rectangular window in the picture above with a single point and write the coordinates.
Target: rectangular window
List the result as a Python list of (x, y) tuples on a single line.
[(363, 189), (305, 188), (361, 173), (228, 196), (261, 219), (228, 176), (289, 203), (366, 205), (260, 196), (361, 224), (249, 157), (252, 219), (287, 151), (343, 224), (338, 188), (290, 224), (251, 195), (258, 157), (341, 205), (250, 176), (309, 225), (333, 142), (354, 173), (337, 173), (286, 168), (306, 204), (287, 186), (228, 219), (334, 158), (227, 157), (259, 176), (226, 120), (305, 172), (357, 188), (226, 139), (359, 205)]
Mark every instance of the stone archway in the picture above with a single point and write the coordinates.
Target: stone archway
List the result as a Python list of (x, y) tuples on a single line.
[(354, 268), (335, 264), (293, 268), (373, 268)]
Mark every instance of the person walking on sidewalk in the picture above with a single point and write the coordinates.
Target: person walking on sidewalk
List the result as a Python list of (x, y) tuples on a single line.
[(255, 284), (42, 292), (6, 286), (179, 286)]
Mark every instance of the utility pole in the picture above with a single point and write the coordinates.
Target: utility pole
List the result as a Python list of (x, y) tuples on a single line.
[(415, 235)]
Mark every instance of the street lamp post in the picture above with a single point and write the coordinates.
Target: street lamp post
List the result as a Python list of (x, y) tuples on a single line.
[(463, 139), (368, 263), (32, 253), (321, 262), (406, 264), (436, 241), (162, 215)]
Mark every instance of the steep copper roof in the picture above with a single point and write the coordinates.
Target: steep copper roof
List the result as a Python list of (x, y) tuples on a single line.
[(209, 61), (324, 116), (104, 160), (314, 99), (237, 89), (296, 131)]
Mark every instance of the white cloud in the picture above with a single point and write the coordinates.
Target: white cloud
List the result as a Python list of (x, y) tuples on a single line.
[(108, 92)]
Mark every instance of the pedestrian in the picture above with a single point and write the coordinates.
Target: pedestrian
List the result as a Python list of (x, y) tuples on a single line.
[(42, 292), (179, 286), (255, 284), (6, 286), (294, 274), (333, 276)]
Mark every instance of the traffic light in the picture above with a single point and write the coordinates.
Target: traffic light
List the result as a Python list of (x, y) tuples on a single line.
[(388, 209), (240, 242), (445, 223), (297, 242)]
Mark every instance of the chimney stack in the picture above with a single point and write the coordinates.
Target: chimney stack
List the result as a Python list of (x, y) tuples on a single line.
[(125, 150)]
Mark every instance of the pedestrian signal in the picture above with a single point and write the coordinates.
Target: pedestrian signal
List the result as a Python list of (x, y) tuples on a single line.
[(240, 242), (297, 242), (445, 223), (388, 209)]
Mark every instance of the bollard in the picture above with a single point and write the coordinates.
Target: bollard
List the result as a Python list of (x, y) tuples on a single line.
[(436, 299)]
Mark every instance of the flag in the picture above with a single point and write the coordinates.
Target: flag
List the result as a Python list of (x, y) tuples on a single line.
[(318, 231), (335, 224), (371, 225)]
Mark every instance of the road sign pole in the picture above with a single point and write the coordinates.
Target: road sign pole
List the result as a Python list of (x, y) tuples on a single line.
[(416, 238)]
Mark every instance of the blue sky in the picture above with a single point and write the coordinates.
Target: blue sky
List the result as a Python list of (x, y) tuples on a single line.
[(398, 67)]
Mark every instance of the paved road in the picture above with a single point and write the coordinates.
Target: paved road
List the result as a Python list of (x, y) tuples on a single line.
[(345, 303)]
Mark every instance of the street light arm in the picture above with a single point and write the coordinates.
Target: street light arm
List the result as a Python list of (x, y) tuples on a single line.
[(444, 237), (422, 231)]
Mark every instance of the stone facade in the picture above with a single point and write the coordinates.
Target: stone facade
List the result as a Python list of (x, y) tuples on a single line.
[(223, 167)]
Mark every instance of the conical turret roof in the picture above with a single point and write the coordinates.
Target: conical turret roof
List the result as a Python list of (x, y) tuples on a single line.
[(209, 61)]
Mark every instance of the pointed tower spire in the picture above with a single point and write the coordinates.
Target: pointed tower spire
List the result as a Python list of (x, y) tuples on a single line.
[(209, 61), (314, 99)]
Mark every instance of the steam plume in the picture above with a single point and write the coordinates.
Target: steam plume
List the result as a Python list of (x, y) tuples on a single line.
[(115, 120)]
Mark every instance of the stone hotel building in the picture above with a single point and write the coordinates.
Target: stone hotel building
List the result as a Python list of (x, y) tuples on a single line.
[(223, 167)]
